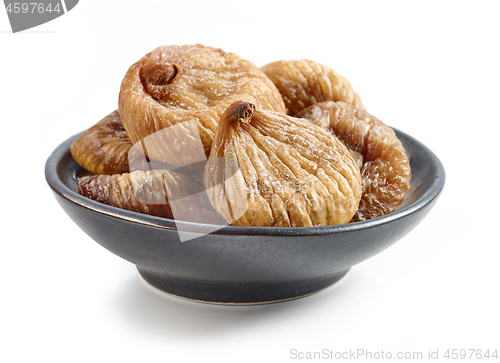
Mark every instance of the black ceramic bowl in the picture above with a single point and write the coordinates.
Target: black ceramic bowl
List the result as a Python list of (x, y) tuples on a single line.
[(243, 264)]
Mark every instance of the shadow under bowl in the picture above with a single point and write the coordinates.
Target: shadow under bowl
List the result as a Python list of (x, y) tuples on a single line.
[(243, 264)]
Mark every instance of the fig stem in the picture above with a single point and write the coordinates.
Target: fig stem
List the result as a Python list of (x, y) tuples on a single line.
[(170, 76), (160, 74), (240, 111)]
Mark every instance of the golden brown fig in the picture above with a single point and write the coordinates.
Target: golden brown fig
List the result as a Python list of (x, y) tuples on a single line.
[(138, 191), (145, 192), (269, 169), (103, 149), (385, 168), (174, 84), (303, 83)]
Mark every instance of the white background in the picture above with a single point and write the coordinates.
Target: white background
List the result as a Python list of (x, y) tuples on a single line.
[(430, 69)]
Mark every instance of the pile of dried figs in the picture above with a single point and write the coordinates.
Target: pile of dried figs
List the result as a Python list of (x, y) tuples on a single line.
[(204, 135)]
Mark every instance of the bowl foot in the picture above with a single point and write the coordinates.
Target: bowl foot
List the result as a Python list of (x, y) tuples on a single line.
[(238, 293)]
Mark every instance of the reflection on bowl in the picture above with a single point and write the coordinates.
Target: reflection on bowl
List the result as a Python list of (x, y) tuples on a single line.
[(243, 264)]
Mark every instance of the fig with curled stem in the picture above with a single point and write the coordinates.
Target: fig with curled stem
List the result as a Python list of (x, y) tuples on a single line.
[(290, 172), (139, 191), (174, 84), (103, 148), (303, 83), (151, 192), (385, 167)]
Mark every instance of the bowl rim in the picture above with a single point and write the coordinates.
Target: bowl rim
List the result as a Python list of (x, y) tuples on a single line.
[(58, 187)]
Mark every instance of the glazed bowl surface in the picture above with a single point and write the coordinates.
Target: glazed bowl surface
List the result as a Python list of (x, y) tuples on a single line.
[(243, 264)]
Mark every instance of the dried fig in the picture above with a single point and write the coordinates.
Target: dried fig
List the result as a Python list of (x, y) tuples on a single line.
[(144, 191), (303, 83), (174, 84), (103, 149), (385, 168), (119, 191), (269, 169)]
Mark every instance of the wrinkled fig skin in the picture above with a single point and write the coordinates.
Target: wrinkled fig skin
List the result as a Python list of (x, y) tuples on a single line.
[(303, 83), (385, 168), (292, 172), (118, 191), (140, 191), (103, 149), (173, 84)]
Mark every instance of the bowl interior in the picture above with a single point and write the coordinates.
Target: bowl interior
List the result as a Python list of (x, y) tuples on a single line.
[(426, 183)]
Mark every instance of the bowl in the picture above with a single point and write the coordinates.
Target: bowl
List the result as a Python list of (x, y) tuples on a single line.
[(243, 265)]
